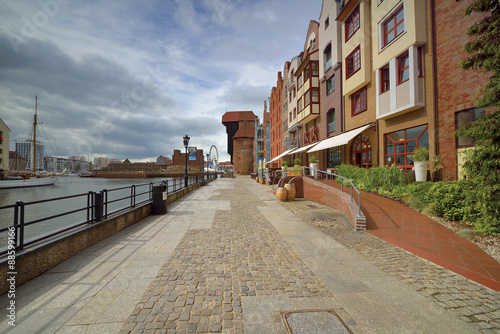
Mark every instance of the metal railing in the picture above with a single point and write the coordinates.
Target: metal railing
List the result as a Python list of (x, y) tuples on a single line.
[(90, 208), (315, 173)]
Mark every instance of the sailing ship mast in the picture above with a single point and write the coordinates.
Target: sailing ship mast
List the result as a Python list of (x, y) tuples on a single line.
[(34, 136)]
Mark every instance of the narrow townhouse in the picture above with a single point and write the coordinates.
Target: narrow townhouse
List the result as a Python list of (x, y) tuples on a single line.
[(402, 61), (359, 142), (275, 110), (308, 94), (294, 128), (330, 69)]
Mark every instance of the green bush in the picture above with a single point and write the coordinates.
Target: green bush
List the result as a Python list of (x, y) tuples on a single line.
[(448, 199), (373, 179)]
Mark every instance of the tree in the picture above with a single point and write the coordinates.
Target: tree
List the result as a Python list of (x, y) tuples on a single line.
[(482, 167), (485, 48)]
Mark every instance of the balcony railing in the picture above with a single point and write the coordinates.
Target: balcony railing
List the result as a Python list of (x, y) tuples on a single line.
[(311, 136)]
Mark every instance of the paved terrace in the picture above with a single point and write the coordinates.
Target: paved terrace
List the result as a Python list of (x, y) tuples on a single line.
[(229, 258)]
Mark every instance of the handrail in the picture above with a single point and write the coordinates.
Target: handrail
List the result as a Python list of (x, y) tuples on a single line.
[(96, 209), (328, 174)]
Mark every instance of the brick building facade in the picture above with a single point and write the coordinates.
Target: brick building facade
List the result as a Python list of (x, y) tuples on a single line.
[(179, 162), (457, 90)]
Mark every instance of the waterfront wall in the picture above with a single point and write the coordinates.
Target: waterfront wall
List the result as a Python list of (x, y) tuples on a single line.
[(36, 260), (334, 198)]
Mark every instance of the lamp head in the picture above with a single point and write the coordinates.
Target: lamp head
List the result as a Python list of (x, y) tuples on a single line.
[(186, 141)]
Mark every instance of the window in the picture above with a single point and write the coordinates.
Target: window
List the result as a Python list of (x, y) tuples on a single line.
[(314, 69), (294, 113), (403, 68), (384, 79), (290, 97), (290, 116), (353, 62), (331, 120), (327, 22), (334, 157), (312, 43), (327, 57), (361, 152), (352, 23), (299, 82), (315, 95), (359, 101), (464, 117), (393, 26), (330, 85), (400, 145), (307, 98), (299, 104)]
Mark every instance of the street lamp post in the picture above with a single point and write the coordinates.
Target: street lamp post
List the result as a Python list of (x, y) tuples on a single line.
[(186, 143)]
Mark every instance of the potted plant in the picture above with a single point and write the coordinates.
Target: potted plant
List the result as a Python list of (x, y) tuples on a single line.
[(313, 163), (284, 164), (434, 164), (420, 159), (296, 162)]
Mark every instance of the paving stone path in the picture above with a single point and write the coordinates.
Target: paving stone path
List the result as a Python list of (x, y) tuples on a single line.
[(471, 302), (199, 289)]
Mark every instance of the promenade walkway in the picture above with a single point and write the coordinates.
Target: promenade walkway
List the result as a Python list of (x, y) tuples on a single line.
[(229, 258)]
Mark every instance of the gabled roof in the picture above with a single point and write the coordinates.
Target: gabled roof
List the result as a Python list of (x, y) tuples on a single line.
[(236, 116), (246, 130)]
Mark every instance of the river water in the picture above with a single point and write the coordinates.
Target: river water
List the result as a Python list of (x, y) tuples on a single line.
[(65, 186)]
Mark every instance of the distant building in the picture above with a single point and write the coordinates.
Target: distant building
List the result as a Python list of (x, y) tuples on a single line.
[(163, 161), (127, 166), (240, 129), (16, 161), (71, 164), (179, 162), (101, 162), (4, 145), (24, 149)]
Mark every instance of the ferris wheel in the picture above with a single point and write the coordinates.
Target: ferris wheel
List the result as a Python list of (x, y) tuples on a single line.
[(213, 160)]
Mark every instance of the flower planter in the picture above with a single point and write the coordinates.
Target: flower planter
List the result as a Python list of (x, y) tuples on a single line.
[(314, 167), (420, 171)]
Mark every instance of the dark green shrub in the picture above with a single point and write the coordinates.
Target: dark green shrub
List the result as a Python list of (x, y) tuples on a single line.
[(447, 199)]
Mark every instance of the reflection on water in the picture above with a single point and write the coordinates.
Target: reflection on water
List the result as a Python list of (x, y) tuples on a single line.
[(65, 186)]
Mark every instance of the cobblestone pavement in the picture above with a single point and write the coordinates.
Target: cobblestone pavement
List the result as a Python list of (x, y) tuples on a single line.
[(200, 288), (468, 300)]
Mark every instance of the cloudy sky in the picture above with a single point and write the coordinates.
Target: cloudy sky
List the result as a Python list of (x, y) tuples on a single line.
[(128, 79)]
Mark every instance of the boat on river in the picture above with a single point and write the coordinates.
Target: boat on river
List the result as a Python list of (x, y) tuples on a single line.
[(33, 179)]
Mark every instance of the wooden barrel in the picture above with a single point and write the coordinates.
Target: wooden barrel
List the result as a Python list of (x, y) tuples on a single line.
[(290, 188), (281, 194)]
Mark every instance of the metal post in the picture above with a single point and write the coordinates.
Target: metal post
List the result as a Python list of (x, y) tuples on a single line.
[(98, 206), (186, 175)]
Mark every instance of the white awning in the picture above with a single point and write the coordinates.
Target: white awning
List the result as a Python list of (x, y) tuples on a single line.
[(303, 148), (339, 140), (279, 156)]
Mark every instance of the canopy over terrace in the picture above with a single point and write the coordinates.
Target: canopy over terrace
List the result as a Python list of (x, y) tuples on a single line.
[(339, 140), (279, 156)]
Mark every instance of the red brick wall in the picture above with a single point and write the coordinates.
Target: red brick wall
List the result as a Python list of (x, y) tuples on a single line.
[(320, 193), (457, 89), (242, 155), (331, 101), (179, 159), (275, 115)]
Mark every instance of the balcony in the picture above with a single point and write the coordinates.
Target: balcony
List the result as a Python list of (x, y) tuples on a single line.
[(291, 84)]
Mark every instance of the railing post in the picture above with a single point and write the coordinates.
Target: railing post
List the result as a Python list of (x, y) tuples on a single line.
[(19, 224), (98, 206), (132, 195), (90, 206)]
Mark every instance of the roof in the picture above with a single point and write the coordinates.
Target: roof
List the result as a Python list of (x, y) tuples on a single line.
[(236, 116), (246, 130)]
